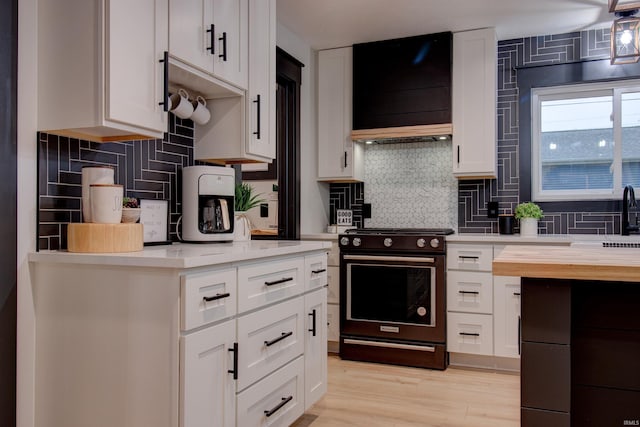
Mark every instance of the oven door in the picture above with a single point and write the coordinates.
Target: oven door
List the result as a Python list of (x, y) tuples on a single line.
[(393, 296)]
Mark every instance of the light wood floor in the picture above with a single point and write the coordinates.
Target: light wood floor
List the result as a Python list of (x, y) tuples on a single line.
[(375, 395)]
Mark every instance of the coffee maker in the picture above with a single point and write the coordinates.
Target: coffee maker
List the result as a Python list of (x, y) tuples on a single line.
[(207, 203)]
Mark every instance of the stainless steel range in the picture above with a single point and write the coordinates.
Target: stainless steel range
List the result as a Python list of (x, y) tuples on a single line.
[(392, 285)]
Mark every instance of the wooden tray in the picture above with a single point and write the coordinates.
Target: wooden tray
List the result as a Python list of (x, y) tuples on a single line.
[(104, 238)]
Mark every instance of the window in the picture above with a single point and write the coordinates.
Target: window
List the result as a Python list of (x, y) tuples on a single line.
[(585, 141)]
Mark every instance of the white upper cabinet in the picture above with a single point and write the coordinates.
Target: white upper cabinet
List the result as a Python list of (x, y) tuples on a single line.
[(474, 104), (100, 70), (261, 105), (211, 35), (242, 128), (339, 158)]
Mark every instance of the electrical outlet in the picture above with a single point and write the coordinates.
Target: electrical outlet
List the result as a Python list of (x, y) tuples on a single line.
[(492, 210)]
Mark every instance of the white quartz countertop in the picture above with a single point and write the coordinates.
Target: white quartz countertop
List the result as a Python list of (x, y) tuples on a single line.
[(541, 239), (186, 255)]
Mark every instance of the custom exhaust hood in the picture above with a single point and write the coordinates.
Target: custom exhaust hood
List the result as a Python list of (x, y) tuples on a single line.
[(402, 89)]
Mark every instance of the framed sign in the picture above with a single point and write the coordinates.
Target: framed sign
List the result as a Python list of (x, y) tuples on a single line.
[(154, 217)]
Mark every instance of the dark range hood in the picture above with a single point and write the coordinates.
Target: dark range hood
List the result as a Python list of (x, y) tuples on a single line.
[(402, 88)]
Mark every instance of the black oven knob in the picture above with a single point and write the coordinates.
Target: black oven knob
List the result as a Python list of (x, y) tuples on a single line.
[(421, 243), (344, 241), (387, 242), (356, 241), (434, 243)]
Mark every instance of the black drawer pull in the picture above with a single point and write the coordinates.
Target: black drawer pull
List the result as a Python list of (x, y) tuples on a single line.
[(469, 334), (468, 257), (313, 322), (223, 39), (257, 101), (280, 338), (519, 332), (516, 294), (469, 292), (277, 282), (215, 297), (165, 84), (212, 39), (284, 401), (234, 371), (322, 270)]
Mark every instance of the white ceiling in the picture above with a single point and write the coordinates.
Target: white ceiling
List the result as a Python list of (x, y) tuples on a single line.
[(334, 23)]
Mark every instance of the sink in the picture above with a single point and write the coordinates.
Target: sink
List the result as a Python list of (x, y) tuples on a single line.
[(607, 244)]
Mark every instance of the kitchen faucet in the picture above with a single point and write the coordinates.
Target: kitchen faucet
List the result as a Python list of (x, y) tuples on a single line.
[(628, 201)]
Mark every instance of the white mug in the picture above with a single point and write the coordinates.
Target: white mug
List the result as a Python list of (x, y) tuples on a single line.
[(201, 114), (106, 203), (93, 175), (180, 104)]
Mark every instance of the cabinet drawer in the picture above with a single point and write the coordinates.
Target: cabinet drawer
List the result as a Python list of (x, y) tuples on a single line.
[(268, 282), (316, 271), (470, 291), (269, 338), (469, 257), (276, 400), (207, 297), (470, 333)]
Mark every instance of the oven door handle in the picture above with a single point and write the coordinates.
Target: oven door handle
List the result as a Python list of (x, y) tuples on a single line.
[(426, 348), (426, 260)]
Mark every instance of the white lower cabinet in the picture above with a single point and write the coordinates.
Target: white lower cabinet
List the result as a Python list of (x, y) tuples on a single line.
[(269, 338), (315, 364), (277, 400), (483, 311), (470, 333), (207, 386), (506, 316)]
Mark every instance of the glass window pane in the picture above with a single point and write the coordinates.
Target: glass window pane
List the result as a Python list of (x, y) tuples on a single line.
[(631, 139), (576, 143)]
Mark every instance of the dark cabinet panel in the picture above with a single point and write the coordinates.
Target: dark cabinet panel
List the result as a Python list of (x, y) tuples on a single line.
[(597, 407), (402, 82), (606, 305), (546, 376), (546, 310), (540, 418)]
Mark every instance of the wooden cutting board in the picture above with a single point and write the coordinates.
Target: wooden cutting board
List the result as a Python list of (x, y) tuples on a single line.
[(104, 238)]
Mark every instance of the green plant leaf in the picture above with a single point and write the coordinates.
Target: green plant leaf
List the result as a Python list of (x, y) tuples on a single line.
[(245, 199)]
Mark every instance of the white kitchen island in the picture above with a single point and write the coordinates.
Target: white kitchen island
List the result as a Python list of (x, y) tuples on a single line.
[(227, 334)]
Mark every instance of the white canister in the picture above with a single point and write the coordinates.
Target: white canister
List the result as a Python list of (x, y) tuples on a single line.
[(106, 203), (528, 227), (93, 175)]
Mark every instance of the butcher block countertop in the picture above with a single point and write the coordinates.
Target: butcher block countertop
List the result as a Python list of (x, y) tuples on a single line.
[(571, 262)]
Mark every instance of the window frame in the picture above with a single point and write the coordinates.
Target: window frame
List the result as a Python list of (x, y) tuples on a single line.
[(615, 88)]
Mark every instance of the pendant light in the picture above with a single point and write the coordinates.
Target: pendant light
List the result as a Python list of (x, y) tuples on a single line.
[(625, 36)]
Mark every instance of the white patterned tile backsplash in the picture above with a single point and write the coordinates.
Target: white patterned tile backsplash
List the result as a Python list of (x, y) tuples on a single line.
[(411, 185)]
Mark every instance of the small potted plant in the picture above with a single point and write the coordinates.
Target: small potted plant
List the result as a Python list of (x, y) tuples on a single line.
[(130, 209), (528, 214), (244, 200)]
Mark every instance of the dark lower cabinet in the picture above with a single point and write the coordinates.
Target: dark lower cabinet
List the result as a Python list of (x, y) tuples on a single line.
[(580, 361)]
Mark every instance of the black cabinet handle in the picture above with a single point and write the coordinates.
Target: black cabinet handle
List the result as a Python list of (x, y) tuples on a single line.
[(283, 402), (215, 297), (280, 338), (322, 270), (257, 133), (345, 159), (165, 89), (519, 332), (212, 39), (469, 292), (277, 282), (468, 257), (234, 371), (223, 55), (313, 322), (469, 334), (458, 154), (516, 294)]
